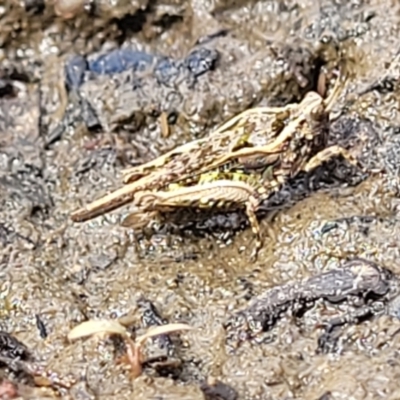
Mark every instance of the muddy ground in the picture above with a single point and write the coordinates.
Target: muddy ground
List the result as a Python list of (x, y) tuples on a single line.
[(270, 53)]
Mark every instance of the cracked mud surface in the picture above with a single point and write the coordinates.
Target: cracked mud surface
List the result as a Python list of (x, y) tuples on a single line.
[(194, 271)]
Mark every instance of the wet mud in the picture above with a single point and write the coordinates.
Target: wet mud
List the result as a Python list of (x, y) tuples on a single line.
[(90, 88)]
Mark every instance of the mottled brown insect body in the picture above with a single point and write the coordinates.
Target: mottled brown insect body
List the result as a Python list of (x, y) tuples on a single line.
[(240, 164)]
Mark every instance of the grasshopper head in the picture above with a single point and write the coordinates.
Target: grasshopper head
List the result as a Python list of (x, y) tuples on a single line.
[(317, 107), (312, 105)]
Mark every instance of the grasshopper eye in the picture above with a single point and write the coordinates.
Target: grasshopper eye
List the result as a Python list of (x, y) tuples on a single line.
[(318, 112)]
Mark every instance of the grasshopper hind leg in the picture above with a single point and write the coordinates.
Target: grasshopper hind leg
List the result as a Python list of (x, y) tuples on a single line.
[(138, 220), (220, 194), (251, 208)]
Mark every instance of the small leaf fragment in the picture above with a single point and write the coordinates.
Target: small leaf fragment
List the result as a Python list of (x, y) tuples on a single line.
[(162, 330), (93, 327)]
